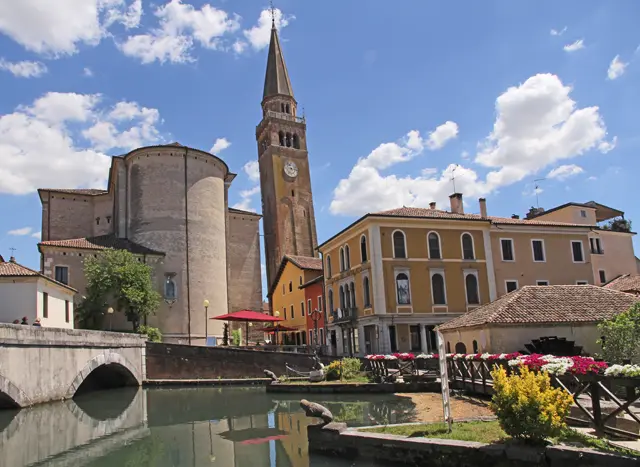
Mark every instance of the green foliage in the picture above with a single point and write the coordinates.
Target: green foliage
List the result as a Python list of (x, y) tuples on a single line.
[(116, 278), (236, 337), (153, 334), (621, 336), (225, 334), (349, 368), (617, 225), (527, 406)]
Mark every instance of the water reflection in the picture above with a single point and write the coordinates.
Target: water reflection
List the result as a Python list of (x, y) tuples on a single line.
[(222, 427)]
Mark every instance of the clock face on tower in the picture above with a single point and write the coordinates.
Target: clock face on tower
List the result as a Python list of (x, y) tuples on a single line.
[(291, 169)]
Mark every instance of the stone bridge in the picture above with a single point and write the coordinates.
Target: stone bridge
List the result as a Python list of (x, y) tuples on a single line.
[(46, 364)]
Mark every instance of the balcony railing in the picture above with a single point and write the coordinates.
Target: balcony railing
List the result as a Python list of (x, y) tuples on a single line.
[(346, 315), (597, 251), (287, 117)]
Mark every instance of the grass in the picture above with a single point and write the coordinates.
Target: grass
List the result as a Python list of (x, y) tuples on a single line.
[(490, 432), (353, 380)]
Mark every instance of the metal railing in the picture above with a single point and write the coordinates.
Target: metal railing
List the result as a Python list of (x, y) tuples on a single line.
[(346, 315), (287, 117)]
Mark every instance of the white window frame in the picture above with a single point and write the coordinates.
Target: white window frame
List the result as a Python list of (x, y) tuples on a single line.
[(347, 258), (582, 282), (320, 303), (393, 244), (432, 272), (439, 245), (600, 276), (513, 250), (584, 259), (465, 273), (342, 259), (546, 282), (397, 272), (62, 266), (533, 251), (366, 246), (506, 290), (473, 246)]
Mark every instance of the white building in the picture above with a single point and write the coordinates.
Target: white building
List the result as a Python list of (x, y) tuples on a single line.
[(25, 293)]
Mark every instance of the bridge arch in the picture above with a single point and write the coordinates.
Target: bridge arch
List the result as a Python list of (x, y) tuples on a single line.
[(11, 397), (104, 371)]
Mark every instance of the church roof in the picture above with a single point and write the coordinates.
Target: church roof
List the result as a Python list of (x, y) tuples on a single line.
[(77, 191), (12, 269), (102, 242), (306, 263), (276, 80)]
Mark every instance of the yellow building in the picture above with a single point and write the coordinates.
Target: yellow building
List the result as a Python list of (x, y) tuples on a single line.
[(391, 277), (287, 299)]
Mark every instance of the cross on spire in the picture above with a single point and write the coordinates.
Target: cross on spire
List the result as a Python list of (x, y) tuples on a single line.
[(273, 15)]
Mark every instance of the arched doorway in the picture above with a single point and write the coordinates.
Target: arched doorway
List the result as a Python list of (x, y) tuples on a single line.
[(461, 348)]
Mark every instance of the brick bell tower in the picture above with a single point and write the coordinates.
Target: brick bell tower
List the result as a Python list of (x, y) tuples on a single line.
[(285, 181)]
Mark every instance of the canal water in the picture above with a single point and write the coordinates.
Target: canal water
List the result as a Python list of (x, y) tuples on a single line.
[(186, 427)]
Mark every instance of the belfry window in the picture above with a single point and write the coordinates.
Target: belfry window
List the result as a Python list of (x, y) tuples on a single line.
[(288, 140), (296, 141), (281, 136), (170, 287)]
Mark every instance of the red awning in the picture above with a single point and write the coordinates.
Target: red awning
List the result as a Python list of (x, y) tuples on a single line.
[(277, 327), (248, 316)]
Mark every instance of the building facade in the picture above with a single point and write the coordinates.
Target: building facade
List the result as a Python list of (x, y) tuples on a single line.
[(168, 206), (25, 293), (285, 180), (392, 277), (315, 310), (289, 299)]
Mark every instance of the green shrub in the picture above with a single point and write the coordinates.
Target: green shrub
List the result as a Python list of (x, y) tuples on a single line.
[(153, 334), (527, 406), (236, 337), (350, 368), (332, 371)]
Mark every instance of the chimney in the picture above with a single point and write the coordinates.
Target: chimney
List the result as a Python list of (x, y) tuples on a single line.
[(432, 205), (515, 216), (483, 207), (456, 203), (12, 260)]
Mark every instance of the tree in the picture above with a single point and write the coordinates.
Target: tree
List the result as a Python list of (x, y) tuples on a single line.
[(116, 278), (225, 334), (621, 336)]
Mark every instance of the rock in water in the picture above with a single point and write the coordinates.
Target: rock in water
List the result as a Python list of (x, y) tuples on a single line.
[(271, 374), (311, 409)]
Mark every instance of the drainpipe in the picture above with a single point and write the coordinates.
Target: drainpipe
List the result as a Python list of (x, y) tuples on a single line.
[(186, 228)]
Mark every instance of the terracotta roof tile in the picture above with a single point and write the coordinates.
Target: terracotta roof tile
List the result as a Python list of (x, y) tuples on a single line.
[(102, 242), (77, 191), (629, 283), (13, 269), (548, 304), (306, 262)]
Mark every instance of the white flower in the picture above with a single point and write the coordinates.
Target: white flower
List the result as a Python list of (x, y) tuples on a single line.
[(425, 356), (485, 356), (470, 357), (390, 357), (629, 371), (502, 356)]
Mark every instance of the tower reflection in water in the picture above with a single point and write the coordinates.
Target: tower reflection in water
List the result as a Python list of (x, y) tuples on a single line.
[(223, 427)]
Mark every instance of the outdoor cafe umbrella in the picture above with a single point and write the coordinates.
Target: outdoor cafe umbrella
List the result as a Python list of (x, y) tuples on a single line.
[(276, 329), (248, 316)]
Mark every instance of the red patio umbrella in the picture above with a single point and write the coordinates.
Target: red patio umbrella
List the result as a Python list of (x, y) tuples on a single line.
[(276, 329), (248, 316)]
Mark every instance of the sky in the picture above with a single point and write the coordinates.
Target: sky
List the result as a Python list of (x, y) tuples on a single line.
[(497, 94)]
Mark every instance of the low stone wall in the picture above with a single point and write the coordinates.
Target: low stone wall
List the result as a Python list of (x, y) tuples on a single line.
[(335, 439), (355, 388), (174, 362)]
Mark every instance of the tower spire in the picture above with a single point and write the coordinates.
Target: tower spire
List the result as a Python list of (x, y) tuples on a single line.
[(276, 81)]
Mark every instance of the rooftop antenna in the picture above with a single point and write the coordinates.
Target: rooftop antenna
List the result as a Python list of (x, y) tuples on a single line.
[(273, 14), (537, 186), (13, 252), (453, 177)]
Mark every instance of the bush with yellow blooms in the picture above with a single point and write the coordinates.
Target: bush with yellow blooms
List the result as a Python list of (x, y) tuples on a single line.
[(527, 406)]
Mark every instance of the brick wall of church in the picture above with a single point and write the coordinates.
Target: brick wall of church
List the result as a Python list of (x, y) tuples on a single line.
[(66, 216)]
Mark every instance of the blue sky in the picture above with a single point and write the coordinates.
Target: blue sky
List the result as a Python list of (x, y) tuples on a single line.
[(394, 98)]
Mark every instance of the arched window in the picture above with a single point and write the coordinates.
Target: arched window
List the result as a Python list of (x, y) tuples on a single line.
[(290, 286), (363, 249), (347, 257), (399, 247), (288, 139), (434, 245), (341, 259), (282, 108), (331, 300), (281, 137), (341, 297), (461, 348), (170, 289), (347, 297), (328, 267), (366, 292), (467, 247), (300, 280), (437, 288), (353, 295), (288, 109), (471, 283), (402, 289), (296, 141), (475, 346)]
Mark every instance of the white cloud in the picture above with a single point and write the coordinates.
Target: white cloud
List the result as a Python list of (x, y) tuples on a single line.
[(441, 135), (87, 72), (556, 32), (246, 197), (37, 234), (44, 145), (180, 26), (58, 27), (565, 171), (20, 232), (252, 169), (239, 46), (537, 125), (24, 69), (260, 34), (220, 145), (616, 68), (606, 146), (592, 178), (577, 45)]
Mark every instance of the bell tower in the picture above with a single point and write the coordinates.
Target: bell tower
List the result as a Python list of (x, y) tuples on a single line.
[(285, 181)]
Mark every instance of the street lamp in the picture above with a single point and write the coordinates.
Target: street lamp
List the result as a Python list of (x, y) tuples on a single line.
[(315, 316), (275, 334), (206, 322), (110, 313)]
